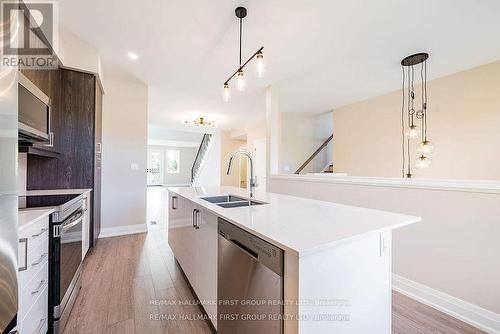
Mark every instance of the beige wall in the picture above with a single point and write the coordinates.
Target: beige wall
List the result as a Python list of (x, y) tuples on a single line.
[(228, 147), (454, 249), (463, 119), (124, 145), (252, 132)]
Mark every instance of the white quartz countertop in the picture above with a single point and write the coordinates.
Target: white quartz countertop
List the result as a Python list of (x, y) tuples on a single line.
[(57, 192), (27, 217), (298, 225)]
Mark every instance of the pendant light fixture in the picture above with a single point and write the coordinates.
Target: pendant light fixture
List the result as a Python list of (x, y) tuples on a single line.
[(241, 12), (414, 114)]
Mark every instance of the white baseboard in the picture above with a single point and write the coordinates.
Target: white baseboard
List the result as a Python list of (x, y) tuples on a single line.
[(472, 314), (107, 232)]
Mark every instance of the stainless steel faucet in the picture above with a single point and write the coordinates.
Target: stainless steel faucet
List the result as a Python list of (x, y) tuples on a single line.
[(253, 179)]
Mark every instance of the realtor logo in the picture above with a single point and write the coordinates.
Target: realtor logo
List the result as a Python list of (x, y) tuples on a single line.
[(28, 34)]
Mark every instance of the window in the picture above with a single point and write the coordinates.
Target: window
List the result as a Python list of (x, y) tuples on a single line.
[(173, 162)]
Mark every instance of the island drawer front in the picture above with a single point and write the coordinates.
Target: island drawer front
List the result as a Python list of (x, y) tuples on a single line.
[(32, 291), (36, 321)]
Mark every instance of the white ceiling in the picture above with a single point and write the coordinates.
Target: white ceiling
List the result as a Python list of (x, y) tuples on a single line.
[(321, 54)]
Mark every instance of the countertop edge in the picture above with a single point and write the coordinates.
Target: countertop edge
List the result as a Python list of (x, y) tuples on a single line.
[(56, 192), (474, 186), (37, 215), (295, 252)]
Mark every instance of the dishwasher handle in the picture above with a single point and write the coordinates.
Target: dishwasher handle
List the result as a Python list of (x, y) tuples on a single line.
[(244, 248)]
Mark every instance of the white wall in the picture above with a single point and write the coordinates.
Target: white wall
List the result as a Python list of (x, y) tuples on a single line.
[(454, 249), (186, 157), (172, 137), (125, 133), (301, 135)]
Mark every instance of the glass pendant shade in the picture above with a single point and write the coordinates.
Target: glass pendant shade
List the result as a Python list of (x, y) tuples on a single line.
[(226, 92), (413, 132), (240, 79), (423, 162), (425, 147), (260, 64)]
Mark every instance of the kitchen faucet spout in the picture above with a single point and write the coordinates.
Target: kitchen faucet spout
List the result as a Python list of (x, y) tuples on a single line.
[(253, 179)]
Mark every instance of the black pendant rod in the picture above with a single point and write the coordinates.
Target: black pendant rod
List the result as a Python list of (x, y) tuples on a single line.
[(242, 66), (241, 27)]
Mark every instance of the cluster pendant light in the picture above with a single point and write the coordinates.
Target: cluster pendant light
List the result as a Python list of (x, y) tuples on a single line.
[(241, 12), (414, 114)]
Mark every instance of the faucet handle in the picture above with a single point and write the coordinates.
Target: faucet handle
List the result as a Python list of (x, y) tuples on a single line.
[(254, 182)]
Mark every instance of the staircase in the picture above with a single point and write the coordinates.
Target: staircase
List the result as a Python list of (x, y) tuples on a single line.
[(327, 169), (200, 156)]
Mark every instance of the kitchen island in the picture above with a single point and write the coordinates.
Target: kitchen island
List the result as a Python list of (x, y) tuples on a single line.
[(337, 258)]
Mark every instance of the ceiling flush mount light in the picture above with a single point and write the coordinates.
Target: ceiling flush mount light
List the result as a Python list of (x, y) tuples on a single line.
[(201, 121), (411, 118), (241, 12), (133, 56)]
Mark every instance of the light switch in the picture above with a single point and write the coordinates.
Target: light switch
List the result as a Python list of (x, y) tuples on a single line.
[(134, 166)]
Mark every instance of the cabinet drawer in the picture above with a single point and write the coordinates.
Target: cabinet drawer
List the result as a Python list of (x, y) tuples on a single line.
[(35, 233), (36, 320), (34, 260), (30, 292)]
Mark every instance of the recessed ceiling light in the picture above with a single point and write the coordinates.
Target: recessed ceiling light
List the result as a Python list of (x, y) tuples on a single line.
[(133, 56)]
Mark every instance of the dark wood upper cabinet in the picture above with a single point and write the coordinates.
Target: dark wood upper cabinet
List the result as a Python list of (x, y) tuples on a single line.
[(76, 118)]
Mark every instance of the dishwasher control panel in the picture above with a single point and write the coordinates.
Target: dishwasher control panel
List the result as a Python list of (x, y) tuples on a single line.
[(265, 252)]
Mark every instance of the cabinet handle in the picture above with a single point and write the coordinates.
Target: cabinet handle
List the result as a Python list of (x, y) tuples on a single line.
[(40, 326), (174, 202), (86, 204), (51, 140), (42, 231), (40, 259), (196, 215), (193, 217), (40, 286), (25, 241)]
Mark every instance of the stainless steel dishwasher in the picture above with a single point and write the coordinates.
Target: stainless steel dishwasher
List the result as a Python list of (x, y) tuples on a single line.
[(250, 283)]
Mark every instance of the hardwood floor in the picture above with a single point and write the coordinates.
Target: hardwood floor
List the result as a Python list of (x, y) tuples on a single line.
[(130, 282)]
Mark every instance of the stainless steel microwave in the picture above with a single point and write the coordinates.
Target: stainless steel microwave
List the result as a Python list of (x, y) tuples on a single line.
[(34, 112)]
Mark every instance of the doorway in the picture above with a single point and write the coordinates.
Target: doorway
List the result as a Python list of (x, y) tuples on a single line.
[(155, 167), (155, 191)]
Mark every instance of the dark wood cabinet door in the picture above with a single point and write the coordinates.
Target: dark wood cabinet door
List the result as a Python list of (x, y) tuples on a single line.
[(73, 128)]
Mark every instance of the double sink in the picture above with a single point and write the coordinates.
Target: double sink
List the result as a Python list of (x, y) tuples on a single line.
[(231, 201)]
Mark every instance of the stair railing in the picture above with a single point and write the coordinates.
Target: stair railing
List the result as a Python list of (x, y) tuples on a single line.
[(304, 165), (198, 160)]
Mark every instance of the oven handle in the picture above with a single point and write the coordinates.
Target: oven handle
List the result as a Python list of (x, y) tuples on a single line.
[(70, 225)]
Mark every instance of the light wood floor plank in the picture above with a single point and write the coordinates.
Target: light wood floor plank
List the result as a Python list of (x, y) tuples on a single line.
[(131, 284), (122, 327)]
